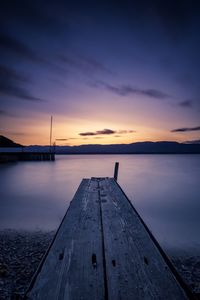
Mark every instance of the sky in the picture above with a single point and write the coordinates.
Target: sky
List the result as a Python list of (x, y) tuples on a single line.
[(107, 71)]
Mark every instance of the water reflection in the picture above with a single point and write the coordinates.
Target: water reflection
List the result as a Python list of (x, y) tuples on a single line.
[(163, 188)]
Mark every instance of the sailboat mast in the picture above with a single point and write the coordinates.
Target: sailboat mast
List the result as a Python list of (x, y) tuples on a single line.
[(50, 142)]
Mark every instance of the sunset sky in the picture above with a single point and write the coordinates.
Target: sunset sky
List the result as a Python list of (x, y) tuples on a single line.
[(107, 71)]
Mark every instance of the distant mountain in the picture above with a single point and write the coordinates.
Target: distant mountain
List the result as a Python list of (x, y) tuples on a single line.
[(134, 148), (7, 143), (164, 147)]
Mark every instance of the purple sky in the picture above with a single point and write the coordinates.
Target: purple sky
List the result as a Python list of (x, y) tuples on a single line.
[(122, 71)]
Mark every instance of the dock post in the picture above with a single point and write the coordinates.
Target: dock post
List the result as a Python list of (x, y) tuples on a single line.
[(116, 171)]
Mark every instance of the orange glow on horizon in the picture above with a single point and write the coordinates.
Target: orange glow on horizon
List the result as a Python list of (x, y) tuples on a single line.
[(65, 133), (35, 129)]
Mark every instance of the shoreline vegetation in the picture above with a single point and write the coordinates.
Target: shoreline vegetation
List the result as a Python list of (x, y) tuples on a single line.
[(22, 251)]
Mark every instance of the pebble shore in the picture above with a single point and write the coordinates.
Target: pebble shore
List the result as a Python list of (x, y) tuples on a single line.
[(22, 251), (20, 254)]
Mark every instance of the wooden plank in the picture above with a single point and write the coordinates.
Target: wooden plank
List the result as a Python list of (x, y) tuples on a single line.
[(73, 268), (135, 268), (103, 250)]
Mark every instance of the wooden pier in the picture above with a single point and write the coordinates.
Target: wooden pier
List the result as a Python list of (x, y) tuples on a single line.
[(104, 251), (26, 156)]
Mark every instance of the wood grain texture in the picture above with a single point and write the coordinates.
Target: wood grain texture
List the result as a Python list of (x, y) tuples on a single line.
[(73, 268), (135, 268), (102, 250)]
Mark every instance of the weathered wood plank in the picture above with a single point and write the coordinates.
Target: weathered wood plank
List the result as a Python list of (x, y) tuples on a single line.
[(135, 269), (103, 250), (73, 268)]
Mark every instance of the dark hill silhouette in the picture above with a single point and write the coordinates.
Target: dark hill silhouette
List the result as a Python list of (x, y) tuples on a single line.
[(7, 143), (134, 148), (164, 147)]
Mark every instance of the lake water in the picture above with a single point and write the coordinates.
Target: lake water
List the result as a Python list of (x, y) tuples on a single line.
[(164, 189)]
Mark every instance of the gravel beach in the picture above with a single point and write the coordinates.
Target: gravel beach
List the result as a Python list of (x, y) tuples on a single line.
[(20, 254), (22, 251)]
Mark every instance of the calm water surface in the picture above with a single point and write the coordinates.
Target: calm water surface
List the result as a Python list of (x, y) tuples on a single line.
[(164, 189)]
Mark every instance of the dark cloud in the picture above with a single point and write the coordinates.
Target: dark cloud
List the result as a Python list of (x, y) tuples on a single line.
[(87, 133), (11, 45), (126, 90), (61, 139), (34, 14), (85, 65), (99, 132), (106, 132), (175, 17), (193, 142), (5, 113), (18, 133), (185, 129), (153, 93), (9, 74), (14, 49), (186, 103), (11, 85), (125, 131)]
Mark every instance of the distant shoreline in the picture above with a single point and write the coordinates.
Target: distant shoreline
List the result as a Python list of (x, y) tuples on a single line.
[(36, 152), (139, 153), (164, 147), (6, 157)]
